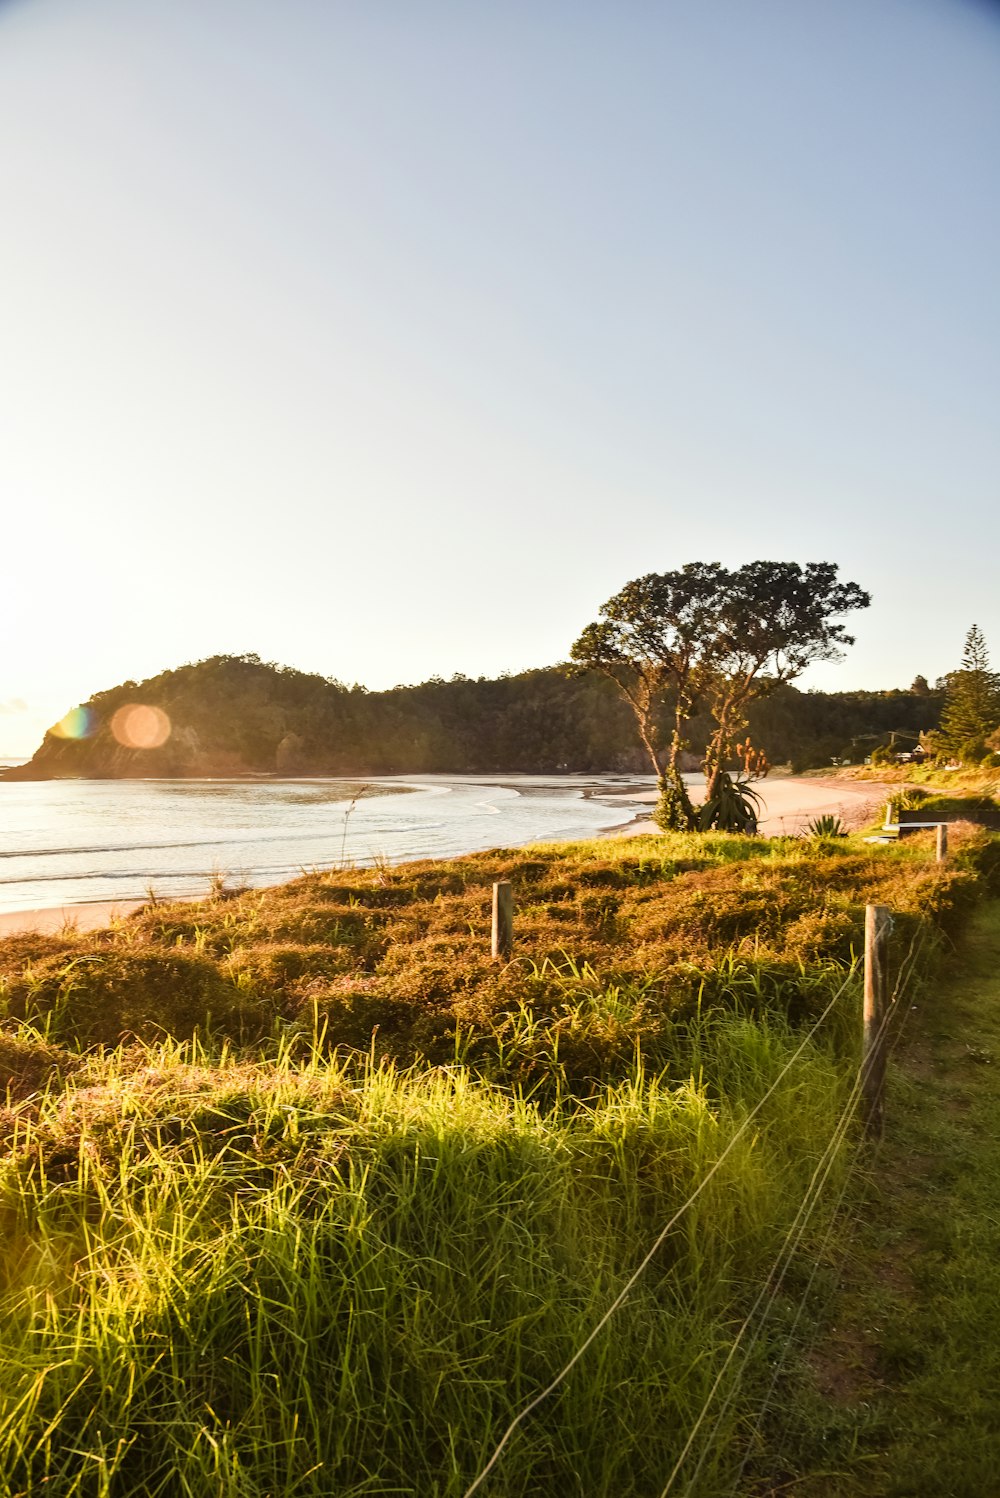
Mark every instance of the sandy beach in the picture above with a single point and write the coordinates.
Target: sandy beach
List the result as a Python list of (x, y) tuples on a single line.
[(789, 804), (87, 917)]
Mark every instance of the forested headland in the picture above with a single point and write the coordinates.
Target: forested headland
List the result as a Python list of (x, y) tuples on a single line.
[(237, 714)]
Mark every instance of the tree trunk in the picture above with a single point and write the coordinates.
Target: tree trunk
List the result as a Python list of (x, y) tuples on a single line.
[(730, 720), (672, 774), (648, 736), (714, 764), (673, 811)]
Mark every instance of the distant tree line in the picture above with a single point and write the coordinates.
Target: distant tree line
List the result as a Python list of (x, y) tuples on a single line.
[(235, 714)]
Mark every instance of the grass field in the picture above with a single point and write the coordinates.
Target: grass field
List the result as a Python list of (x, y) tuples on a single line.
[(302, 1194), (968, 780), (901, 1380)]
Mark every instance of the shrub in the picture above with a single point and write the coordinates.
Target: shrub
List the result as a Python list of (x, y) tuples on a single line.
[(671, 812), (100, 995), (28, 1064), (733, 807), (827, 826)]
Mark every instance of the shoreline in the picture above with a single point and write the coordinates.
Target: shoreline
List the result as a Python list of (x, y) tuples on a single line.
[(89, 915), (789, 803)]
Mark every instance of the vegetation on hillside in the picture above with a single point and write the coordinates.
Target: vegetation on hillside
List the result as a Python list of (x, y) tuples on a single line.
[(304, 1194), (237, 714), (963, 753), (953, 780)]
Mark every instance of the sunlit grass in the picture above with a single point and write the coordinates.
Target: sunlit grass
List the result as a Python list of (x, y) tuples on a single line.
[(302, 1193), (304, 1277)]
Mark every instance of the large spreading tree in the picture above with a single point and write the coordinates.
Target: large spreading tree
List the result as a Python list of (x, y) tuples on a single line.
[(717, 638)]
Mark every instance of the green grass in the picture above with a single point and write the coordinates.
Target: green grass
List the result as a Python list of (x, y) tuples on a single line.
[(293, 1277), (968, 780), (899, 1393), (302, 1194)]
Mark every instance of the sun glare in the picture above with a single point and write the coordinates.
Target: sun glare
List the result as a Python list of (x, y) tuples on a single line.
[(79, 723), (137, 726)]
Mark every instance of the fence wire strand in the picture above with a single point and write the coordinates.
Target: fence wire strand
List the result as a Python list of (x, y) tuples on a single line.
[(661, 1237), (771, 1288), (907, 968)]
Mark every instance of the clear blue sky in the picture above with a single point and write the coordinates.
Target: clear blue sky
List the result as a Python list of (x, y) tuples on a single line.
[(390, 339)]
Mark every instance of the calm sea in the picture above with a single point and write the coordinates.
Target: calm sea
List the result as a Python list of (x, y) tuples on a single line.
[(63, 842)]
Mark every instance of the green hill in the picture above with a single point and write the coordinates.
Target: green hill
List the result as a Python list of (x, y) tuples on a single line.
[(232, 715)]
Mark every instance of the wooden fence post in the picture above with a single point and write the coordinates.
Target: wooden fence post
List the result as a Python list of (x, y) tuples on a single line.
[(877, 924), (942, 842), (503, 920)]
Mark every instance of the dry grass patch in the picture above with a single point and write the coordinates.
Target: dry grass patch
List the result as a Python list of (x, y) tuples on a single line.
[(617, 943)]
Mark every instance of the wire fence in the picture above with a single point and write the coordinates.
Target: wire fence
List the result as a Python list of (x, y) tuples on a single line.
[(893, 1014), (721, 1396), (767, 1298)]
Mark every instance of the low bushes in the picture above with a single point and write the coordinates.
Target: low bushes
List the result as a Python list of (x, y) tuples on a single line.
[(397, 960)]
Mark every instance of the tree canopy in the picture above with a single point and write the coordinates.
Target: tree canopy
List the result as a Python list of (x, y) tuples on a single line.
[(972, 703), (652, 641), (710, 636), (775, 619)]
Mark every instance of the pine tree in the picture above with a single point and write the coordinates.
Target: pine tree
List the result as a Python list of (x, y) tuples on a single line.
[(972, 705)]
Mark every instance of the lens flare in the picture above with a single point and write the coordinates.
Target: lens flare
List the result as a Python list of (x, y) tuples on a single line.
[(79, 723), (138, 726)]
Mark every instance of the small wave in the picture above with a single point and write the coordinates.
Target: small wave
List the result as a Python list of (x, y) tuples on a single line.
[(392, 828), (402, 829), (240, 839), (90, 875), (120, 848)]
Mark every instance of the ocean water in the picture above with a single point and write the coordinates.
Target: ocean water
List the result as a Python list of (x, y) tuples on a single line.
[(64, 842)]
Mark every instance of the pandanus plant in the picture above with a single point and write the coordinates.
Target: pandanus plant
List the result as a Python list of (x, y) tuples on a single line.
[(734, 806)]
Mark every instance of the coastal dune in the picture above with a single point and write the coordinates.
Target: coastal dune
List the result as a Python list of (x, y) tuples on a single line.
[(89, 916)]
